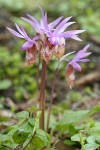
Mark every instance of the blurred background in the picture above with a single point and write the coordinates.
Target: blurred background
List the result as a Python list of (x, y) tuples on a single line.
[(18, 82)]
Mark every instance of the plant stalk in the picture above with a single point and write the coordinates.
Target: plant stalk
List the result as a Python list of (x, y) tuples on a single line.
[(38, 73), (42, 94), (51, 97)]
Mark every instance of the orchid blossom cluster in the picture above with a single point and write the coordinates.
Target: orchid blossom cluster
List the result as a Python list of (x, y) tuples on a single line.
[(49, 41)]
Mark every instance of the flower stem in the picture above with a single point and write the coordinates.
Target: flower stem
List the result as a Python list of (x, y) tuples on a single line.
[(42, 94), (38, 73), (51, 98)]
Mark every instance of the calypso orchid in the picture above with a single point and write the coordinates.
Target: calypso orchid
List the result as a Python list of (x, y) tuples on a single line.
[(50, 39), (29, 45), (48, 42), (73, 65)]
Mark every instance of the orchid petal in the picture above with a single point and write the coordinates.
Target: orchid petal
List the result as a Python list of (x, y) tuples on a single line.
[(76, 38), (31, 23), (26, 36), (33, 19), (54, 23), (70, 34), (42, 11), (65, 26), (61, 24), (82, 54), (76, 66), (35, 38), (20, 31), (84, 60), (15, 33), (46, 22), (27, 45), (86, 47)]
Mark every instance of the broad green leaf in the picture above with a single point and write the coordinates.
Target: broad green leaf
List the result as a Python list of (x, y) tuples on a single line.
[(95, 131), (22, 115), (91, 139), (94, 110), (5, 84), (69, 142), (26, 127), (43, 136), (72, 130), (20, 137), (8, 143), (75, 117), (3, 137), (76, 137), (91, 146), (31, 121), (70, 117), (4, 148), (36, 144), (40, 140)]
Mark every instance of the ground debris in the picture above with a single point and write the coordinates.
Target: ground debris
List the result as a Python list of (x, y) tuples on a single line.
[(89, 78)]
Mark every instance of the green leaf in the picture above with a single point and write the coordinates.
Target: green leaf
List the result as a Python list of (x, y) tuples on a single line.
[(91, 139), (73, 116), (91, 146), (43, 136), (3, 137), (95, 131), (20, 137), (36, 144), (7, 141), (22, 115), (40, 140), (72, 130), (94, 110), (27, 127), (5, 84), (31, 121), (69, 142), (76, 137), (4, 148)]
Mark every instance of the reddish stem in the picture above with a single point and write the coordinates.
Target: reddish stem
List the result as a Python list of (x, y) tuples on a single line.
[(42, 94), (38, 72), (51, 98)]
